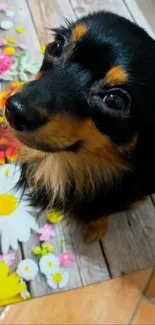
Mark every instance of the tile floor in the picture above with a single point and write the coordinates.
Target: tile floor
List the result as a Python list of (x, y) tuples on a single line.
[(126, 300)]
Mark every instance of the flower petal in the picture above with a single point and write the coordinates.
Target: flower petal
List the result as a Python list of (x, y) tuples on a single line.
[(64, 282)]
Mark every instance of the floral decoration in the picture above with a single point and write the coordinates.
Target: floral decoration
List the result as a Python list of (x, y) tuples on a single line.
[(58, 278), (27, 269)]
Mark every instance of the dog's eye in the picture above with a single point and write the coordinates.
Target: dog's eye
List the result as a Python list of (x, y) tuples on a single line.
[(116, 100), (55, 48)]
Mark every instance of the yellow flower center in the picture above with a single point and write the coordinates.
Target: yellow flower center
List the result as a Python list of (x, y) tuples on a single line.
[(50, 264), (26, 268), (57, 277), (8, 204)]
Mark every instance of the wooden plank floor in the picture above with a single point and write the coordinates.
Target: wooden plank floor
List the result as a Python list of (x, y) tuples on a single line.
[(129, 245)]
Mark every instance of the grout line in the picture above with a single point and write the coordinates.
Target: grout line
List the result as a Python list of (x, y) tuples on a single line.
[(142, 297), (148, 282), (152, 302), (135, 311)]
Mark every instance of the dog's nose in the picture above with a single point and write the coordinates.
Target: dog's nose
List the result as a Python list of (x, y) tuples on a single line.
[(15, 113)]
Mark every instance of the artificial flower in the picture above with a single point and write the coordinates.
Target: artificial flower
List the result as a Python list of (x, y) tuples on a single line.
[(10, 13), (58, 278), (8, 258), (25, 295), (48, 264), (5, 62), (3, 6), (3, 42), (2, 158), (27, 269), (10, 285), (9, 147), (11, 153), (15, 221), (42, 48), (1, 119), (11, 40), (44, 249), (20, 30), (6, 24), (46, 232), (54, 216), (48, 247), (9, 50), (66, 258)]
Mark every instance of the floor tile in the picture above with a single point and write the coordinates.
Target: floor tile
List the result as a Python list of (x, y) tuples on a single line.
[(145, 314), (111, 302), (150, 293)]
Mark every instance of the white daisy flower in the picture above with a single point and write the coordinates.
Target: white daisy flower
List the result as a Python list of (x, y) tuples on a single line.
[(15, 221), (48, 264), (27, 269), (59, 278)]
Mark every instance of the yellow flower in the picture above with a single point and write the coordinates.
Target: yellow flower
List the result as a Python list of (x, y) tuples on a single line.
[(42, 48), (9, 50), (11, 40), (20, 30), (1, 119), (54, 216), (10, 285)]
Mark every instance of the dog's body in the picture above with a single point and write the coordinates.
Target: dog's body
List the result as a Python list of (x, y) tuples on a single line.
[(89, 120)]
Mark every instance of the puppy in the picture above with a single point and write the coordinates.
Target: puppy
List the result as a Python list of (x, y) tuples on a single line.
[(87, 122)]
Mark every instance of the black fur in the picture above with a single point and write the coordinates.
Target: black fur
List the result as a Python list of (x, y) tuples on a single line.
[(66, 86)]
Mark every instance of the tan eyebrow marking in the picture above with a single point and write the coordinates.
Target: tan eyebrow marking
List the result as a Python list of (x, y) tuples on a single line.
[(116, 75), (79, 31)]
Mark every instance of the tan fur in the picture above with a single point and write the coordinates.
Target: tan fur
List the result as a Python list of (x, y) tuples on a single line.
[(116, 76), (98, 161), (38, 75), (129, 146), (136, 204), (79, 31), (96, 230)]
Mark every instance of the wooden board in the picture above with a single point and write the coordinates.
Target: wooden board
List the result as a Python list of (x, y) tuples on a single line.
[(143, 13), (129, 244)]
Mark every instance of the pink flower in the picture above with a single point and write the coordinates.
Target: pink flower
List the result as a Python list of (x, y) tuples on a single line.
[(66, 258), (8, 258), (3, 42), (5, 62), (3, 6), (46, 232)]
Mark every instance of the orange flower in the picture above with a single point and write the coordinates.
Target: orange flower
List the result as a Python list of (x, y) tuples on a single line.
[(2, 158), (5, 94), (11, 153)]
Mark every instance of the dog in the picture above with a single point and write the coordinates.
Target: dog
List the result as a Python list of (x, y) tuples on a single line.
[(87, 121)]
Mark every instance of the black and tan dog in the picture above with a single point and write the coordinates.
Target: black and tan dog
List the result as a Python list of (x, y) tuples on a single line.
[(87, 123)]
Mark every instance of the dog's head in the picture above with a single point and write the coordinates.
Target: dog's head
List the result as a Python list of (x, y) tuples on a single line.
[(94, 94)]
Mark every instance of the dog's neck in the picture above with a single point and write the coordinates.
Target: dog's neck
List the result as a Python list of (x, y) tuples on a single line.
[(85, 171)]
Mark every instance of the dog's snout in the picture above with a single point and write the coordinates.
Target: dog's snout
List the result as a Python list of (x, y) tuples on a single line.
[(21, 115), (15, 113)]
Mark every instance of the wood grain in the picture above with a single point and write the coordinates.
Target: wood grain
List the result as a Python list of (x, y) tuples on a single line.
[(81, 7), (49, 14), (143, 14), (129, 244)]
